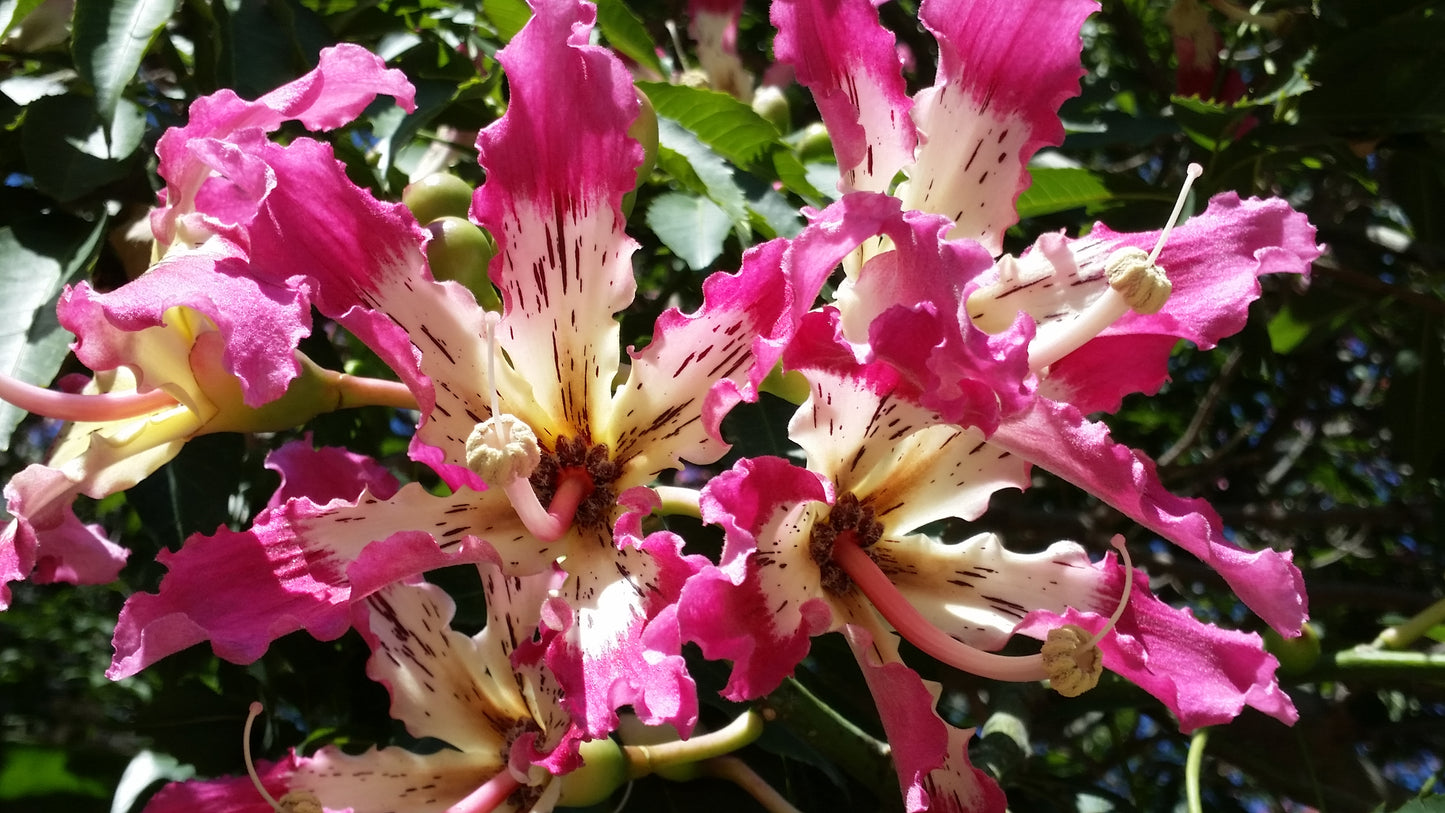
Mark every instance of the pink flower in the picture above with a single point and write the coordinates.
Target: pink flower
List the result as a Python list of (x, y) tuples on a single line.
[(557, 165), (498, 710), (197, 344), (930, 414)]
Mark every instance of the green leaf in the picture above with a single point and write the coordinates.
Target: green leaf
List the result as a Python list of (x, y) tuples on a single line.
[(71, 151), (1432, 804), (30, 771), (1059, 189), (108, 40), (705, 172), (626, 33), (508, 16), (13, 12), (720, 121), (39, 255), (693, 227)]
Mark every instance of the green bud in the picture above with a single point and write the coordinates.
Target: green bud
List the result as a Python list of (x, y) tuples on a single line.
[(438, 195), (790, 386), (644, 131), (815, 144), (461, 250), (1296, 655), (603, 771), (770, 103)]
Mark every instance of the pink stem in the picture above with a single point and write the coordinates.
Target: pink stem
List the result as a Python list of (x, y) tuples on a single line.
[(548, 524), (489, 796), (911, 624), (97, 408)]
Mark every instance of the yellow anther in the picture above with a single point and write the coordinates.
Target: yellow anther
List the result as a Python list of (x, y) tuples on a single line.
[(1142, 284), (1071, 657)]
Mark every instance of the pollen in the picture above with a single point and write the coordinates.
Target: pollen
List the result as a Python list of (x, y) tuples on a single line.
[(848, 515), (577, 457)]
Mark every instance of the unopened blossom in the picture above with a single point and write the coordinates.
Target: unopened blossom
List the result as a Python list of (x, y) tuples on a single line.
[(561, 472), (198, 344)]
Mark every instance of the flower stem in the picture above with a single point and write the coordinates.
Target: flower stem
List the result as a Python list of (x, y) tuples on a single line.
[(911, 624), (646, 759), (856, 752), (86, 408), (737, 772), (1402, 635), (357, 391), (1192, 765)]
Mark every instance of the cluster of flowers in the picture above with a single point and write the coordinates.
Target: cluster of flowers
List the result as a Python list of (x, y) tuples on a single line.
[(937, 374)]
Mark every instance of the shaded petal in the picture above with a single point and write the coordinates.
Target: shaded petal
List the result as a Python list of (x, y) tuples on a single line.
[(1058, 438), (231, 794), (1204, 674), (931, 757), (844, 55), (390, 779), (557, 165), (978, 591), (45, 541), (713, 25), (1004, 69), (326, 474), (260, 321), (441, 683), (698, 366), (862, 428), (299, 567), (762, 606)]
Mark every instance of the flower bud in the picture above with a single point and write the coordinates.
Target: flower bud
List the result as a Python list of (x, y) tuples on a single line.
[(461, 250), (603, 771), (438, 195), (815, 144), (770, 103)]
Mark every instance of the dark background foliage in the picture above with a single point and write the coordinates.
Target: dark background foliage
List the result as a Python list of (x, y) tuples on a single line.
[(1316, 429)]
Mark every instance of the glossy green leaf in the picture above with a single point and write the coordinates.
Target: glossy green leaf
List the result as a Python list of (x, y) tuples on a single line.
[(109, 38), (704, 172), (693, 227), (719, 120), (12, 12), (39, 255), (626, 33), (70, 149), (508, 16), (1059, 189)]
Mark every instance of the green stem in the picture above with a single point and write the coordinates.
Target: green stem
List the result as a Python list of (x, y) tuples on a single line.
[(1402, 635), (1191, 770), (678, 501), (737, 772), (853, 750), (646, 759), (1379, 664)]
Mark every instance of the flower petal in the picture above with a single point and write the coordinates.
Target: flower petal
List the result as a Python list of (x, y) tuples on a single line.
[(232, 794), (762, 606), (441, 682), (299, 567), (557, 165), (596, 631), (844, 55), (1204, 674), (931, 757), (1004, 69), (346, 79), (389, 779), (45, 541), (1058, 438)]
